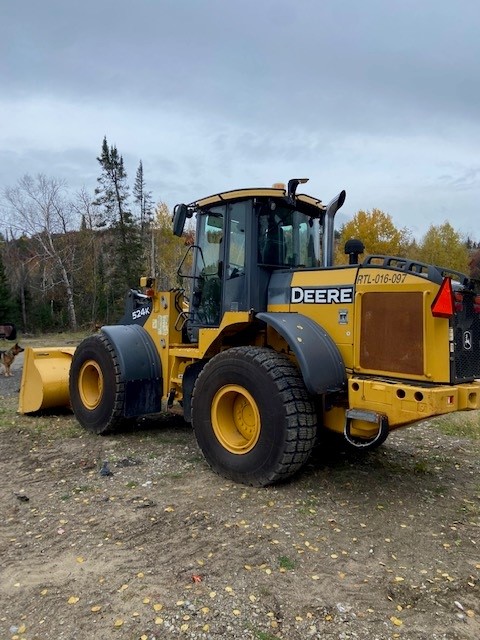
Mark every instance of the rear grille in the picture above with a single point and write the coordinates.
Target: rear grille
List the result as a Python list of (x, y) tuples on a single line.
[(466, 327)]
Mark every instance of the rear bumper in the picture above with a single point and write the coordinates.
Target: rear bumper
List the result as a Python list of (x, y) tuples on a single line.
[(402, 403)]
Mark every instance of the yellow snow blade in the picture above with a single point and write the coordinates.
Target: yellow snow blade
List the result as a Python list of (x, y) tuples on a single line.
[(45, 379)]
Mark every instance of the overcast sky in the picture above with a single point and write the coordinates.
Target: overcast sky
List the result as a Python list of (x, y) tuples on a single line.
[(380, 97)]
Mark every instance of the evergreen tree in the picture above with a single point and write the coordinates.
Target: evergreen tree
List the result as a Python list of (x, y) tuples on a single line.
[(8, 308), (112, 198), (143, 200)]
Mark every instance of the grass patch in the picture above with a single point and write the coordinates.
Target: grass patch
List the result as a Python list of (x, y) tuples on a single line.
[(52, 425), (421, 467), (284, 562), (260, 635), (460, 425), (82, 489), (263, 635), (65, 338)]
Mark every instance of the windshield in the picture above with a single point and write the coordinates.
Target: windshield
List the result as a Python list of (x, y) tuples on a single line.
[(287, 237)]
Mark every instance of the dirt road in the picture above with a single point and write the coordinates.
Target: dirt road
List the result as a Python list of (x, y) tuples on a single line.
[(384, 545)]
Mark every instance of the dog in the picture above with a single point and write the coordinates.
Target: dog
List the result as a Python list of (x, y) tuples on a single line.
[(7, 358)]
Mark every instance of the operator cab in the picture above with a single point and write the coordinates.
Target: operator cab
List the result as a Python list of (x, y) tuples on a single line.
[(243, 236)]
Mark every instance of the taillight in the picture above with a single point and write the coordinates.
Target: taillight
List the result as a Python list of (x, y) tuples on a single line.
[(444, 306), (476, 304), (458, 297)]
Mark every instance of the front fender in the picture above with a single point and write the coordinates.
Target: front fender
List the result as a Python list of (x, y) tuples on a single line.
[(140, 368), (318, 356)]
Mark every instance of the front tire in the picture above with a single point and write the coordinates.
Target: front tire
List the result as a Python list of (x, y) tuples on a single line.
[(96, 389), (252, 416)]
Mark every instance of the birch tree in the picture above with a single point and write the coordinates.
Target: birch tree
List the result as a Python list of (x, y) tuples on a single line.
[(38, 208)]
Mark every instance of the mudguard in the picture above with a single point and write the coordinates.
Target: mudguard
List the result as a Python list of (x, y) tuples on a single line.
[(140, 368), (317, 354)]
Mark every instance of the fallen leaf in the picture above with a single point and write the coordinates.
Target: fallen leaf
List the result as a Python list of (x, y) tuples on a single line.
[(118, 623), (80, 559), (196, 578), (96, 608), (73, 600), (396, 621), (157, 606)]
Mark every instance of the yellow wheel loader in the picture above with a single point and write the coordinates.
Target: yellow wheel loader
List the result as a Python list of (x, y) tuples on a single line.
[(276, 345)]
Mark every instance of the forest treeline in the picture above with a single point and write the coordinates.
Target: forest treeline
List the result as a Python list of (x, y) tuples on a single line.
[(67, 262)]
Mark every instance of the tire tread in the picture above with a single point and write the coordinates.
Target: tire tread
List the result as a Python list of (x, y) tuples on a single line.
[(300, 413)]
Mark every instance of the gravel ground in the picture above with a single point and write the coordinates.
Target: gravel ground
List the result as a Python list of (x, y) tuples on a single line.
[(378, 546)]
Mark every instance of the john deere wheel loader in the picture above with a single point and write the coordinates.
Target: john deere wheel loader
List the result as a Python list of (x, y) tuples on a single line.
[(277, 345)]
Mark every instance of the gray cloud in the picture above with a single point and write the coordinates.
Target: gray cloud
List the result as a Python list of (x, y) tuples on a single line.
[(378, 97)]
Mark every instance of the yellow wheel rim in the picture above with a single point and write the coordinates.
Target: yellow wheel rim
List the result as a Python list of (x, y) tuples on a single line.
[(90, 384), (235, 419)]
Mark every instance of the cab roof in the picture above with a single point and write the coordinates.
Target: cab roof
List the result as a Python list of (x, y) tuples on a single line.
[(243, 194)]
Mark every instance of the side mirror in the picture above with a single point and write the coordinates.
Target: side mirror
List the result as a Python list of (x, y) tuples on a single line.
[(180, 215)]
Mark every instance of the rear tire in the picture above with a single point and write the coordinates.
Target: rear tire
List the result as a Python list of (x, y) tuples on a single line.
[(96, 389), (252, 416)]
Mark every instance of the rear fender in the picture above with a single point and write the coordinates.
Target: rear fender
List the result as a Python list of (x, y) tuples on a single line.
[(317, 354), (140, 368)]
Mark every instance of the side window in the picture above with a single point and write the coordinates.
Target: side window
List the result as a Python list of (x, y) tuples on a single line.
[(275, 237), (236, 248), (206, 297), (212, 242)]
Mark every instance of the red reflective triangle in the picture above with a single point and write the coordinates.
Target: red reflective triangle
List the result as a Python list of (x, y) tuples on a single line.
[(444, 306)]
